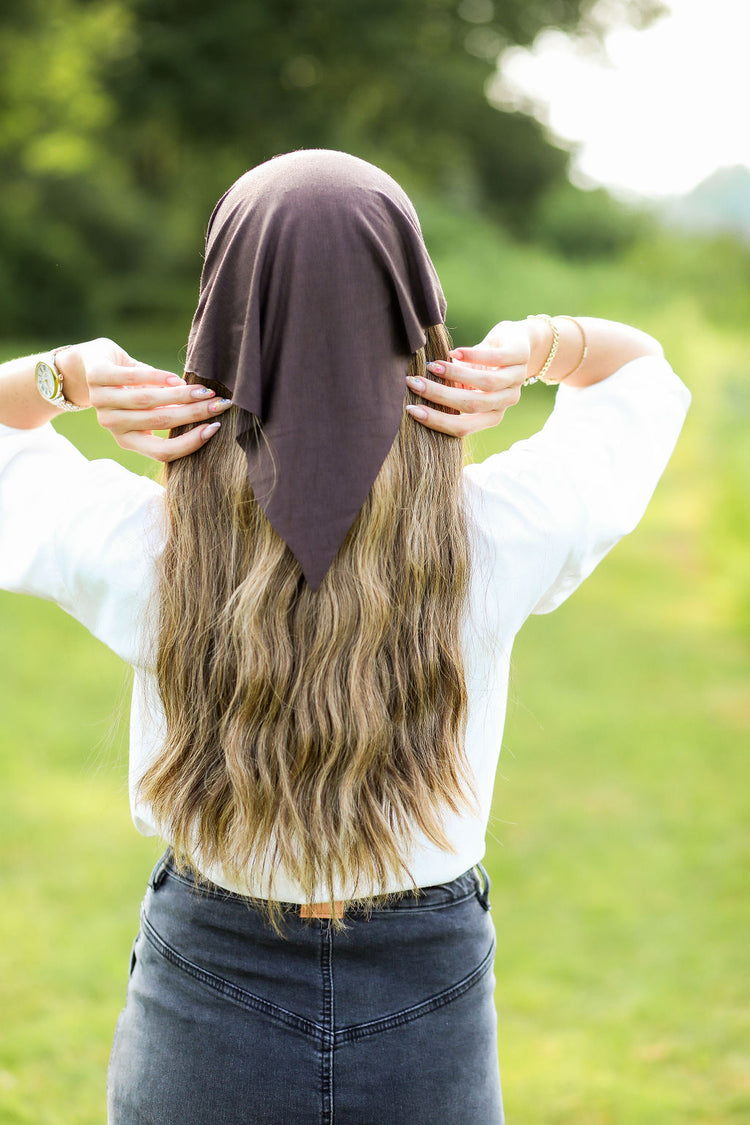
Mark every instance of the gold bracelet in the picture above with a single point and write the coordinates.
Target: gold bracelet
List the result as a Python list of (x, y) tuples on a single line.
[(584, 353), (552, 352)]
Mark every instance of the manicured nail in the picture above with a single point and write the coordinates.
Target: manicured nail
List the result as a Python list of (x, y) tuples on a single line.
[(418, 384), (174, 380), (436, 368), (417, 411), (201, 392), (457, 354), (220, 404), (209, 431)]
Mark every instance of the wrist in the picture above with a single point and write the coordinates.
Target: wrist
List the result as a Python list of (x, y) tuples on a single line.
[(540, 341), (72, 371)]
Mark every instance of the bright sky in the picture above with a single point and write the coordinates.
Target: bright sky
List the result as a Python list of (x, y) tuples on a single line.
[(666, 108)]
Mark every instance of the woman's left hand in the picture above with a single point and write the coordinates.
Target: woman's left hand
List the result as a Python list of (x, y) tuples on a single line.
[(484, 381), (132, 399)]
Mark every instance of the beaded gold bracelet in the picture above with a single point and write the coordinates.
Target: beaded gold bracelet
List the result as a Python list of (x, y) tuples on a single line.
[(552, 352)]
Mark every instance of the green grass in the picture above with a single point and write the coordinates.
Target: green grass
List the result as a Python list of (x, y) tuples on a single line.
[(618, 847)]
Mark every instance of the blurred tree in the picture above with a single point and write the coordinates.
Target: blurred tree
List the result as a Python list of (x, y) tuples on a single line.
[(256, 79), (588, 224), (66, 205), (121, 121)]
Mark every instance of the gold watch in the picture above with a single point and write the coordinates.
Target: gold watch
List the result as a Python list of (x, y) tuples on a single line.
[(49, 382)]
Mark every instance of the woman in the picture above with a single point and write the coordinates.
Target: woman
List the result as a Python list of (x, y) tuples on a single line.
[(320, 607)]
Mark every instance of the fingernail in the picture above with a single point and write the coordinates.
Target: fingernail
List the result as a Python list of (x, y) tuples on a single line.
[(220, 404), (436, 368), (457, 354), (201, 392), (174, 380), (209, 431), (417, 411), (413, 381)]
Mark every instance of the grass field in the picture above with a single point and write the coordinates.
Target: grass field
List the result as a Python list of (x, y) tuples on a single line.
[(618, 847)]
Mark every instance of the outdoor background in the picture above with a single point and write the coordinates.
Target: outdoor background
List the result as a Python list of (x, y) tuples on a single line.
[(618, 848)]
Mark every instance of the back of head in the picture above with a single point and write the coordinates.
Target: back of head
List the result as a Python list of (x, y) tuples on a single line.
[(316, 290), (314, 725)]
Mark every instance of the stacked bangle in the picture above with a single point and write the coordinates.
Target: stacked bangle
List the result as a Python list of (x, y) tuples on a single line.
[(585, 349)]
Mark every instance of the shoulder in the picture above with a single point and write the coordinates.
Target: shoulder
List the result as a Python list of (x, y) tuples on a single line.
[(642, 406), (32, 457), (84, 534), (546, 510)]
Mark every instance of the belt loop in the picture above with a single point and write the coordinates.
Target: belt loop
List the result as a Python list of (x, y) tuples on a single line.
[(483, 885), (159, 874)]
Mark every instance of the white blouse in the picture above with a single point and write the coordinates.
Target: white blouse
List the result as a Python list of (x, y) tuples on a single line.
[(85, 534)]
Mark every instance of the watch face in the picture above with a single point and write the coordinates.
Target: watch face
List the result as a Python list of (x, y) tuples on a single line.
[(46, 380)]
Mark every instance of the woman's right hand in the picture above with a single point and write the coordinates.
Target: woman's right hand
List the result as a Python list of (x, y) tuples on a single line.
[(485, 381), (132, 399)]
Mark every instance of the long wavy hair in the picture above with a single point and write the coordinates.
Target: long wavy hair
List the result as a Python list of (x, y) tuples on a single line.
[(316, 730)]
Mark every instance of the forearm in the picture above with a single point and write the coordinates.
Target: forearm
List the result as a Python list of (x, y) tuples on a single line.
[(21, 404), (609, 346)]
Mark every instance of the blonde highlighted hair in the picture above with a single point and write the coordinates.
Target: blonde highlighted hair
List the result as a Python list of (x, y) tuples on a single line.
[(313, 730)]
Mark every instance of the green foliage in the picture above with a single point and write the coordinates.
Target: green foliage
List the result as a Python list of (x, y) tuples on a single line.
[(61, 223), (715, 270), (124, 120), (587, 224), (728, 542)]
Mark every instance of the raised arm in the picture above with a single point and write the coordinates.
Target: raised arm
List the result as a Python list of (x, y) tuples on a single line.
[(488, 377)]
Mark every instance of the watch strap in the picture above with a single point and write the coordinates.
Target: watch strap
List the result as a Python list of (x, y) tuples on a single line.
[(59, 399)]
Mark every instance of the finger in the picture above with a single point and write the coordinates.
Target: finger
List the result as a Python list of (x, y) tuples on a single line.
[(457, 398), (482, 378), (467, 400), (168, 449), (457, 425), (119, 375), (147, 397), (161, 418), (485, 355)]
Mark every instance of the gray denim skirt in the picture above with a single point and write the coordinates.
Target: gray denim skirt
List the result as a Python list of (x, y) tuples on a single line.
[(391, 1021)]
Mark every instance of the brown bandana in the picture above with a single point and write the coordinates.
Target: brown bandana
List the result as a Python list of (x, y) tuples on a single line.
[(316, 289)]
